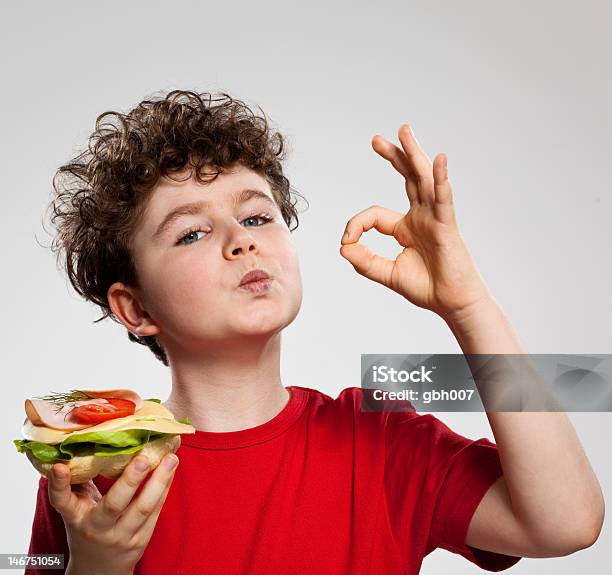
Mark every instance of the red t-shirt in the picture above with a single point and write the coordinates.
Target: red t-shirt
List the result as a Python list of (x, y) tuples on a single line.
[(322, 488)]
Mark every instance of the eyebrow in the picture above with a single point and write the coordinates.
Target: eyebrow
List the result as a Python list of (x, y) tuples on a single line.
[(194, 208)]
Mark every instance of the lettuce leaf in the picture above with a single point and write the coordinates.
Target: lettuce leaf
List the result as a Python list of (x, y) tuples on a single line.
[(101, 443), (43, 451), (107, 443)]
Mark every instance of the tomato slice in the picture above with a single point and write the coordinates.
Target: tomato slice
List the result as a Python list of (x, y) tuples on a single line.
[(97, 412)]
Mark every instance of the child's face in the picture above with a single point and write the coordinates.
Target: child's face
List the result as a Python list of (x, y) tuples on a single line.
[(189, 286)]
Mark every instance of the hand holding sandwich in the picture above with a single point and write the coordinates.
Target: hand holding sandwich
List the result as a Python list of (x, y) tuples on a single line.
[(85, 433), (109, 534)]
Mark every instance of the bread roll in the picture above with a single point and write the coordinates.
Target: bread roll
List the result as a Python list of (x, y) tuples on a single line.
[(84, 468)]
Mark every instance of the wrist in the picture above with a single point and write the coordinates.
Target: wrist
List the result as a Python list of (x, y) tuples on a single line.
[(465, 317), (485, 329)]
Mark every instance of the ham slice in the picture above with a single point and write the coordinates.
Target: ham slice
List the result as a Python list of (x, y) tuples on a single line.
[(120, 393), (45, 413)]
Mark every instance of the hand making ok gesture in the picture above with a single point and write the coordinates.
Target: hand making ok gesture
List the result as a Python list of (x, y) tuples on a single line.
[(434, 270)]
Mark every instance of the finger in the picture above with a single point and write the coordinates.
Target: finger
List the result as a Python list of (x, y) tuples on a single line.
[(367, 263), (443, 207), (89, 489), (150, 499), (420, 163), (118, 497), (61, 496), (143, 534), (398, 160), (382, 219)]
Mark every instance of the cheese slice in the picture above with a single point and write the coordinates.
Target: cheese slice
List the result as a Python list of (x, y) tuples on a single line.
[(151, 416)]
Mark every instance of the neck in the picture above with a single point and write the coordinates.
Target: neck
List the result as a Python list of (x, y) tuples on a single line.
[(229, 389)]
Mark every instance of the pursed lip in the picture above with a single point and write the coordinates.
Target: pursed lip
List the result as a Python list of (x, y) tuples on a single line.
[(253, 276)]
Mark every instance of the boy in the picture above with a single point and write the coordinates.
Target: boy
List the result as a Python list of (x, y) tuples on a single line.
[(285, 479)]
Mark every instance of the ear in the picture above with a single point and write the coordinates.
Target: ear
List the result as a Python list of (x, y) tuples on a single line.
[(126, 304)]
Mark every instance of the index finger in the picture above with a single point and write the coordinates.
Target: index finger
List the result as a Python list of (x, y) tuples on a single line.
[(382, 219)]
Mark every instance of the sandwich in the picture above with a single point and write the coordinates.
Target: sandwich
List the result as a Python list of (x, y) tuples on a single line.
[(97, 432)]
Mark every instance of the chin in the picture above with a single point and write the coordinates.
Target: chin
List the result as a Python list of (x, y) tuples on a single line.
[(262, 324), (261, 329)]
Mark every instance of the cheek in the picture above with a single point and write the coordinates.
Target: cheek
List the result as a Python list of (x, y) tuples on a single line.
[(182, 287), (288, 260)]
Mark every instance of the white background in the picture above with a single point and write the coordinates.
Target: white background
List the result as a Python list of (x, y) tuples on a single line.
[(517, 94)]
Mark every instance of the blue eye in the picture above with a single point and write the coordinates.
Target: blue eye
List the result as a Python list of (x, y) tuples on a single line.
[(180, 241), (189, 233)]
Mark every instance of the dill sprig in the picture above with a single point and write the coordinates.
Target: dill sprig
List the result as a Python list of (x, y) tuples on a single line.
[(61, 399)]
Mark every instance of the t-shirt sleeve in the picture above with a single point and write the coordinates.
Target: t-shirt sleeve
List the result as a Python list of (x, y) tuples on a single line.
[(451, 473), (48, 531), (474, 468)]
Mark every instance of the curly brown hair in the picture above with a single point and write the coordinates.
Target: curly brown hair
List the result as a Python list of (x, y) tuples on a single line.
[(100, 195)]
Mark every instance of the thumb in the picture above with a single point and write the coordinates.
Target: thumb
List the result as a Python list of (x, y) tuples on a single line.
[(61, 496), (367, 263)]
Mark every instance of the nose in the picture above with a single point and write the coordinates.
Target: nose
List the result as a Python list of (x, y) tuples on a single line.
[(241, 242)]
